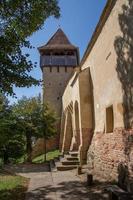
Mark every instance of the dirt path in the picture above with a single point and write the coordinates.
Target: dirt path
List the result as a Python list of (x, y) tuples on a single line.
[(61, 186), (39, 186)]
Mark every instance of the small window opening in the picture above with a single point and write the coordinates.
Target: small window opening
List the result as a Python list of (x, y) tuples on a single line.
[(109, 119), (65, 69), (58, 98), (50, 69), (62, 53), (46, 54), (56, 54), (70, 53), (58, 69)]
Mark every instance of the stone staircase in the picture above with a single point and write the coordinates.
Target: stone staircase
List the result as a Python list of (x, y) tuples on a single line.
[(68, 162)]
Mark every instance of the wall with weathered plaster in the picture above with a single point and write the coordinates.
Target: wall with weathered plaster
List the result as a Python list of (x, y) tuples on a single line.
[(78, 91), (109, 155), (54, 85), (102, 61), (70, 96), (109, 84)]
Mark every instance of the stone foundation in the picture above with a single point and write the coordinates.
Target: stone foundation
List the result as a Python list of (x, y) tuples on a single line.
[(110, 156)]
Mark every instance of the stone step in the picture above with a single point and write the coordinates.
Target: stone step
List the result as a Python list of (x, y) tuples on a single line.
[(56, 160), (65, 162), (72, 158), (61, 157), (74, 153), (66, 167)]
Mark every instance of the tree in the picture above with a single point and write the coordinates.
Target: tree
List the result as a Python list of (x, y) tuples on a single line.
[(12, 141), (48, 121), (38, 120), (18, 20)]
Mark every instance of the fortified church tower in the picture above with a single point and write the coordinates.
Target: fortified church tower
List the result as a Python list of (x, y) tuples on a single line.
[(58, 58)]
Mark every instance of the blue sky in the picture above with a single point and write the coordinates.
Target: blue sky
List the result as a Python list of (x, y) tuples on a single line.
[(78, 20)]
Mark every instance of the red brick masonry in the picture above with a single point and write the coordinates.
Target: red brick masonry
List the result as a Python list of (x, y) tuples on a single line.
[(111, 156)]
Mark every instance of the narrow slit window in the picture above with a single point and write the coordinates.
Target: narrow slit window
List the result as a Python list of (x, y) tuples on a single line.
[(109, 119), (50, 69), (65, 69), (58, 69)]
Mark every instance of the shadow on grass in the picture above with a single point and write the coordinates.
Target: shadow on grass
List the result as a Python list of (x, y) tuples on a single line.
[(17, 193)]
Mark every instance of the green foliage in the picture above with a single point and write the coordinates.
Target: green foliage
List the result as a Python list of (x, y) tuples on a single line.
[(12, 141), (38, 120), (28, 111), (48, 120), (15, 147), (21, 122), (18, 20), (1, 163)]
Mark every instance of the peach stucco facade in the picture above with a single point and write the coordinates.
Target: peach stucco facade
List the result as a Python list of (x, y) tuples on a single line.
[(97, 111)]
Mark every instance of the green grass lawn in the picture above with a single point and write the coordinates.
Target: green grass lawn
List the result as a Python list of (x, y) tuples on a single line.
[(12, 187), (50, 155)]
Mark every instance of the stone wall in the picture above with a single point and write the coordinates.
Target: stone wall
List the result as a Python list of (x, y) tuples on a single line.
[(77, 99), (105, 96), (110, 156), (102, 60), (110, 61), (54, 85), (55, 80)]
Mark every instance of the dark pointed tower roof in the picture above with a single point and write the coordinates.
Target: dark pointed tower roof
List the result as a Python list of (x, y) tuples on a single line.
[(58, 41)]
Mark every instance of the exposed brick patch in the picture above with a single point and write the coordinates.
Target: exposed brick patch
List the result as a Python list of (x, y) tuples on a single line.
[(112, 153)]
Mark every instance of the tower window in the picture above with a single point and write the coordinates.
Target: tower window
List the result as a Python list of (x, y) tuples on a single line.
[(65, 68), (50, 69), (70, 53), (109, 119), (58, 69)]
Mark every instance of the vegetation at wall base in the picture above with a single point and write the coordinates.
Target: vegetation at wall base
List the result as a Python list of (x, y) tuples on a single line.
[(38, 121), (20, 124), (12, 141)]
